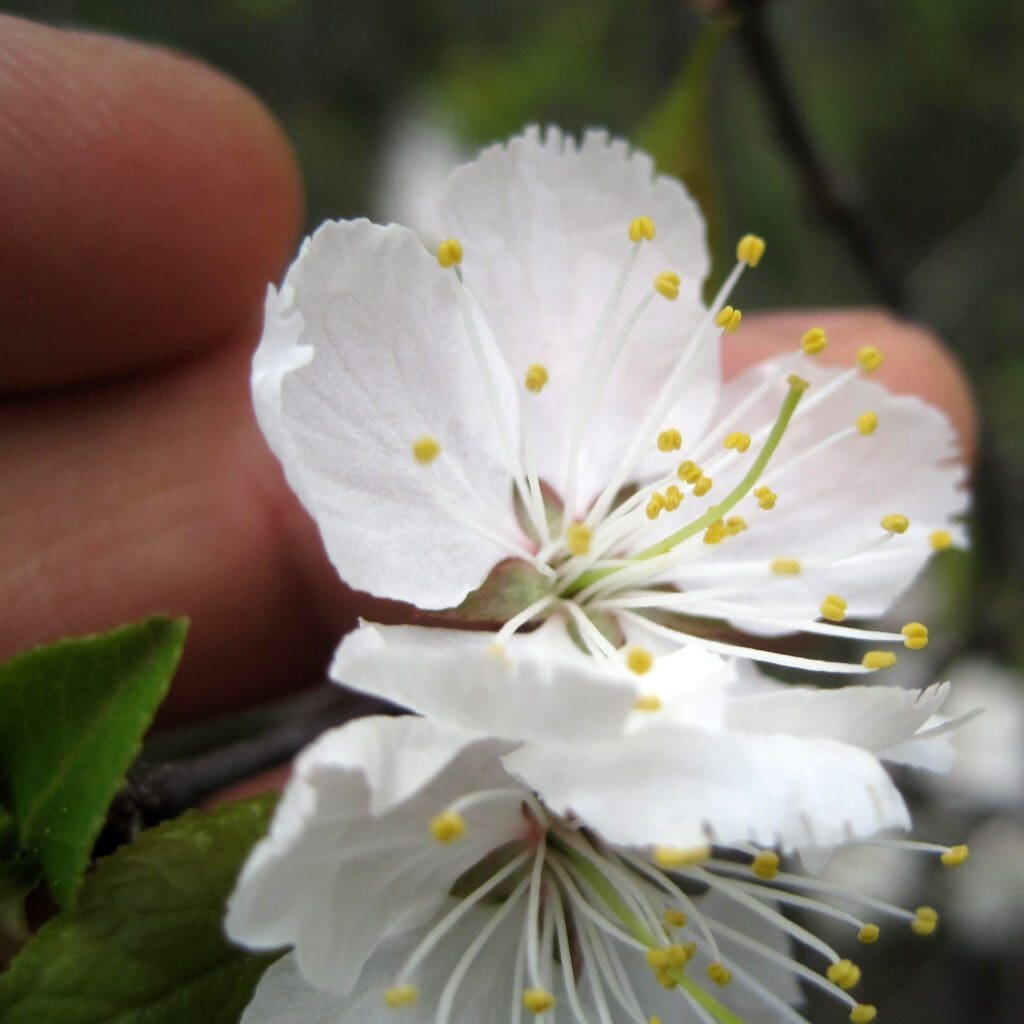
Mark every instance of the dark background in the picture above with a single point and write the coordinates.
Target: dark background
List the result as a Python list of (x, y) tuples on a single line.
[(877, 145)]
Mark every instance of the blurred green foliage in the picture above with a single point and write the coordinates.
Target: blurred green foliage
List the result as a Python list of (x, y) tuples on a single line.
[(917, 107)]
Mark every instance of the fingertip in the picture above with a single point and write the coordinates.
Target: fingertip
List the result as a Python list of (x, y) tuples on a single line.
[(147, 199)]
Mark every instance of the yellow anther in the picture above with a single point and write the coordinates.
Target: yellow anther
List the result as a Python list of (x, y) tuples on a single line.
[(499, 653), (844, 973), (639, 660), (680, 856), (448, 826), (867, 423), (915, 635), (657, 957), (578, 537), (940, 539), (647, 702), (689, 471), (674, 918), (926, 920), (765, 864), (667, 284), (653, 1020), (863, 1013), (702, 486), (538, 1000), (833, 608), (536, 378), (641, 228), (869, 933), (878, 659), (665, 977), (738, 440), (655, 505), (729, 318), (797, 383), (716, 533), (749, 250), (895, 523), (426, 449), (786, 567), (814, 341), (719, 973), (401, 995), (955, 856), (766, 497), (670, 440), (869, 358), (734, 525), (683, 953), (673, 498), (449, 253)]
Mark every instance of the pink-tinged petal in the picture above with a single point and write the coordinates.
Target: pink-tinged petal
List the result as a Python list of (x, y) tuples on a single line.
[(544, 224), (365, 352), (350, 857)]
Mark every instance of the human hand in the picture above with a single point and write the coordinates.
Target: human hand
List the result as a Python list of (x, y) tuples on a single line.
[(146, 201)]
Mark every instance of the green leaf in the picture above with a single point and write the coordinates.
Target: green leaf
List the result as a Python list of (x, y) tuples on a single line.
[(146, 944), (72, 716), (677, 132)]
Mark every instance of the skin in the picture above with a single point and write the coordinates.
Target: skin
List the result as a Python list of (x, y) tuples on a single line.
[(146, 200)]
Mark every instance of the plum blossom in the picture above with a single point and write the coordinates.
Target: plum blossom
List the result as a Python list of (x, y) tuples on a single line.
[(549, 840), (530, 423)]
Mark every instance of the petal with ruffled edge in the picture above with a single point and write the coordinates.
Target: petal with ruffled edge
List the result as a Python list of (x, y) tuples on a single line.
[(685, 787), (540, 688), (544, 226), (365, 352), (350, 859), (830, 503), (875, 718)]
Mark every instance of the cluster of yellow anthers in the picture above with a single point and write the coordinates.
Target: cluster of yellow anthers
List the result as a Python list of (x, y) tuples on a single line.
[(580, 883)]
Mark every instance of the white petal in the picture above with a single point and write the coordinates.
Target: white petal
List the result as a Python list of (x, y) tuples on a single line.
[(542, 688), (283, 996), (831, 504), (350, 859), (873, 717), (367, 354), (684, 787), (544, 225)]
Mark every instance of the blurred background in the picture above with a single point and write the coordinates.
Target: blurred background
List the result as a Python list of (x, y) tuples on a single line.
[(878, 146)]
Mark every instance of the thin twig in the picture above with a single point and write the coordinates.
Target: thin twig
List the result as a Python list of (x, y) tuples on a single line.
[(829, 197)]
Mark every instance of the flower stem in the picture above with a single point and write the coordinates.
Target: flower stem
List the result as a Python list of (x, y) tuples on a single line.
[(618, 906)]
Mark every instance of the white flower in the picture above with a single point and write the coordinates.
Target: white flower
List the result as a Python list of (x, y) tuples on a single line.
[(546, 390), (548, 832)]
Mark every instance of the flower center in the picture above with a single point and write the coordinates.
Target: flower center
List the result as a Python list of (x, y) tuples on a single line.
[(594, 921), (613, 573)]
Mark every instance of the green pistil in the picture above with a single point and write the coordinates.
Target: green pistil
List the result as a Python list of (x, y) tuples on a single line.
[(797, 387), (618, 906)]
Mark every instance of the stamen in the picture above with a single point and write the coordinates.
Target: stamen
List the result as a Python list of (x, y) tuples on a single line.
[(844, 973), (863, 1013), (926, 920), (401, 995), (940, 539), (639, 660), (449, 253), (878, 659), (522, 618), (536, 378), (448, 827), (426, 449), (578, 537), (867, 423), (728, 319), (750, 249), (737, 440), (670, 440), (916, 635), (538, 1000), (814, 341), (868, 934), (647, 702), (895, 523), (786, 566), (641, 228), (667, 284), (765, 865), (766, 497), (833, 608), (566, 959), (869, 358)]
